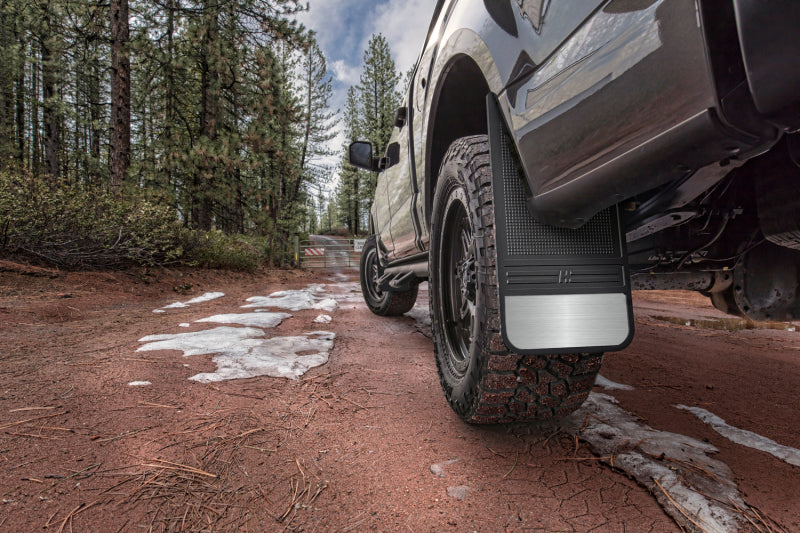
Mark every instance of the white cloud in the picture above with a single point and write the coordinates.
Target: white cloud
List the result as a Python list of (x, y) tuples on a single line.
[(338, 24), (404, 23), (347, 74)]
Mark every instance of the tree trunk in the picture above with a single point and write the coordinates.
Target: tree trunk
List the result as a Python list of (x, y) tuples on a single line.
[(169, 93), (94, 127), (50, 115), (119, 156), (20, 95), (36, 143), (6, 77), (49, 107), (209, 115), (21, 113)]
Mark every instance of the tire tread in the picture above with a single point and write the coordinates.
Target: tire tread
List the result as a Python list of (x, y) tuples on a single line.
[(511, 387)]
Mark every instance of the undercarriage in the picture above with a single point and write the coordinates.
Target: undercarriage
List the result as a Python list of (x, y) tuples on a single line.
[(737, 241)]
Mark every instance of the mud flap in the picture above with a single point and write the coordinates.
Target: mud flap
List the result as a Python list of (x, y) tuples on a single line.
[(560, 290)]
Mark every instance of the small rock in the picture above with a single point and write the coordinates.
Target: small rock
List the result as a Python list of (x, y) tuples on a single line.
[(459, 493), (438, 468)]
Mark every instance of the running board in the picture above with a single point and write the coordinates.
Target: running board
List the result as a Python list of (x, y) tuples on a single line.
[(560, 290), (403, 277)]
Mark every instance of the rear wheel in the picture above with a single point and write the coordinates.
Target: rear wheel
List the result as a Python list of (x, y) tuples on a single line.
[(381, 302), (483, 381)]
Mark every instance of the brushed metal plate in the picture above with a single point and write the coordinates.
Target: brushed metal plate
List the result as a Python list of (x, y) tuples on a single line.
[(556, 321)]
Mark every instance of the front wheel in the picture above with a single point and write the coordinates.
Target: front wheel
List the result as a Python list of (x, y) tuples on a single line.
[(483, 381), (380, 302)]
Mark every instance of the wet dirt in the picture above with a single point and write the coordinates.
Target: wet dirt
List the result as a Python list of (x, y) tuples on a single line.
[(365, 442)]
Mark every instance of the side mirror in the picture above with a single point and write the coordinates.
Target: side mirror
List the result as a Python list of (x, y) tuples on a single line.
[(360, 156)]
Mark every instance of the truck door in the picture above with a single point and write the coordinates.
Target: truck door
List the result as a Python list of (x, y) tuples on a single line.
[(400, 193)]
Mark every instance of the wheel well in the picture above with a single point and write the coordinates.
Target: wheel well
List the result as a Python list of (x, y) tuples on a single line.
[(458, 110)]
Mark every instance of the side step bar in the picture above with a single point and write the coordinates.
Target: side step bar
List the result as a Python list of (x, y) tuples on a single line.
[(401, 278), (561, 290)]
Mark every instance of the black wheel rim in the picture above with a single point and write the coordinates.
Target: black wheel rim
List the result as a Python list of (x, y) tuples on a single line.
[(458, 287), (371, 276)]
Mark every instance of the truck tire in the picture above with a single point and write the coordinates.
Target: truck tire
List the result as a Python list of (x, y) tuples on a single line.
[(483, 381), (380, 302)]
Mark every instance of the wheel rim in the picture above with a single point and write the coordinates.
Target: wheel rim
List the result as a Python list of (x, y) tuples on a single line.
[(371, 275), (458, 287)]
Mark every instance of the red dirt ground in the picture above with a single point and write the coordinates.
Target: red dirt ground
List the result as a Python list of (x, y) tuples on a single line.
[(350, 446)]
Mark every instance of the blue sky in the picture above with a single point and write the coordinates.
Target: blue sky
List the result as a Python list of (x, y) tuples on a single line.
[(344, 27)]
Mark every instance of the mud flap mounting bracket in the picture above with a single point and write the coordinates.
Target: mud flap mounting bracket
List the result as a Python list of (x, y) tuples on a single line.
[(560, 290)]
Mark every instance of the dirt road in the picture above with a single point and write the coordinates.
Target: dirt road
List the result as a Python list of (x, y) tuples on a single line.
[(102, 432)]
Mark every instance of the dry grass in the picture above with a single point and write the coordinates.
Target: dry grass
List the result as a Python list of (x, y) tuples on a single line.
[(217, 478)]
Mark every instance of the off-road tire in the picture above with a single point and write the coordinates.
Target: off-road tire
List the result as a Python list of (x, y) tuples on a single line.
[(382, 303), (487, 383)]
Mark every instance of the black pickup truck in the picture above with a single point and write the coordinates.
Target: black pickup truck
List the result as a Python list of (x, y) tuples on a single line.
[(552, 155)]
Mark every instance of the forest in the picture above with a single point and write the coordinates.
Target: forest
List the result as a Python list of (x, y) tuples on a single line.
[(177, 131)]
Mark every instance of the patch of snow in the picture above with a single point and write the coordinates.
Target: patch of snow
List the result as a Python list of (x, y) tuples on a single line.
[(323, 319), (422, 316), (703, 491), (217, 340), (295, 300), (347, 293), (184, 325), (280, 357), (199, 299), (244, 352), (744, 437), (139, 383), (607, 384), (259, 320), (206, 297)]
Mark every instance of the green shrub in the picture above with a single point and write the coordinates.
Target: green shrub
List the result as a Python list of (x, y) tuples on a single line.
[(73, 226), (81, 227), (214, 249)]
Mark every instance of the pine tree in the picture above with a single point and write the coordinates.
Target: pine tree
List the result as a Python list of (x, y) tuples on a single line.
[(350, 193), (368, 115), (378, 93), (318, 120), (119, 156), (226, 116)]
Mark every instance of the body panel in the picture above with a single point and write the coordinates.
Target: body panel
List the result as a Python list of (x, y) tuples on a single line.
[(381, 218), (605, 100)]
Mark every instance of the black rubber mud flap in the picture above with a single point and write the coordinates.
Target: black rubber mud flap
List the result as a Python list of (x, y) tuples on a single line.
[(560, 290)]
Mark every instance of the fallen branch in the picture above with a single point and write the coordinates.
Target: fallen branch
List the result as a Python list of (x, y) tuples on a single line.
[(169, 465), (32, 420), (678, 507), (79, 509)]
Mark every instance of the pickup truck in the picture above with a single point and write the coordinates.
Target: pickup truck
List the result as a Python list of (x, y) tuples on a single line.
[(551, 156)]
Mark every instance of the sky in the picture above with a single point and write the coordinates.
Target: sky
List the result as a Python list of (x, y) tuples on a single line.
[(344, 27)]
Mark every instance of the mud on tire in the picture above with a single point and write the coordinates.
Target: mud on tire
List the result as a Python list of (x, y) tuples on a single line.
[(382, 303), (483, 381)]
